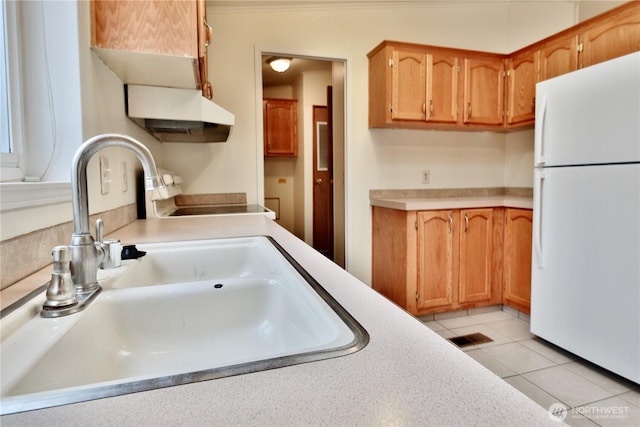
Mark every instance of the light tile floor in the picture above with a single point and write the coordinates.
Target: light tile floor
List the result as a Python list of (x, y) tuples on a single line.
[(547, 374)]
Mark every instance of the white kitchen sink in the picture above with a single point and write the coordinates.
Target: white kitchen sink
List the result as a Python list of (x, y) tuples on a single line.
[(185, 312)]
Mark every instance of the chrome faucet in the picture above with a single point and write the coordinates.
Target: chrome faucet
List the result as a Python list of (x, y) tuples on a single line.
[(87, 254)]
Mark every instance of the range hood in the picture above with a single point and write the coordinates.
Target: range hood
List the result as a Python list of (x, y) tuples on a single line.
[(177, 115)]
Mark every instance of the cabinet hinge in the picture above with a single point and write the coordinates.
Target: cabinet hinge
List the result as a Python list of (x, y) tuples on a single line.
[(417, 296), (390, 62), (390, 108), (580, 47), (416, 224)]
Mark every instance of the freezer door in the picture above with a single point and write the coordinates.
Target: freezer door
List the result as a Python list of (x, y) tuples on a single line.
[(585, 294), (590, 116)]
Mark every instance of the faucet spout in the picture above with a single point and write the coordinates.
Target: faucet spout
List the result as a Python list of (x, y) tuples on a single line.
[(86, 255)]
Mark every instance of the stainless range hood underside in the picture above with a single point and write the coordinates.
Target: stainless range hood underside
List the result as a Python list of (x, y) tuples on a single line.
[(184, 130), (177, 115)]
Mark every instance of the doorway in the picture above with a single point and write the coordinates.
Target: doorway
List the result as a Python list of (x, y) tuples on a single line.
[(290, 182)]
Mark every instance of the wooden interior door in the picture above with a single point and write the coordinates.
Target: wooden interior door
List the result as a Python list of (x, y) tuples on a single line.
[(323, 179)]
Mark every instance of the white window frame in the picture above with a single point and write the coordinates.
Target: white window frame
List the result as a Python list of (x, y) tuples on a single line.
[(16, 194), (10, 162)]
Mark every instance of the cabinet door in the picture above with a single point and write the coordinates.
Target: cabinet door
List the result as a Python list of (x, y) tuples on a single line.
[(517, 259), (483, 91), (613, 37), (558, 56), (280, 127), (409, 85), (442, 88), (153, 43), (522, 76), (476, 255), (125, 25), (436, 257)]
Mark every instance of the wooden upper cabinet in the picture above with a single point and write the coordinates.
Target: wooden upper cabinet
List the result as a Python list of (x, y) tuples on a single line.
[(522, 75), (153, 42), (409, 71), (442, 87), (558, 56), (419, 86), (280, 118), (161, 27), (425, 86), (431, 87), (612, 35), (484, 91)]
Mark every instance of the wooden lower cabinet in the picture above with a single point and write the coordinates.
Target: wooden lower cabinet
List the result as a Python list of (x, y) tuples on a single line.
[(436, 264), (517, 259), (434, 261)]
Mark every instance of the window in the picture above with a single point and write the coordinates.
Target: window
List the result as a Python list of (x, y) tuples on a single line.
[(5, 141), (9, 105), (23, 41)]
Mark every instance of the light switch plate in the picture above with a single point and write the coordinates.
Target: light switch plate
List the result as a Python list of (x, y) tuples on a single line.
[(124, 179), (105, 175)]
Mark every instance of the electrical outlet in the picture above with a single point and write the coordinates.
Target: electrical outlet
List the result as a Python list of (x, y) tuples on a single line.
[(105, 175), (124, 181), (426, 176)]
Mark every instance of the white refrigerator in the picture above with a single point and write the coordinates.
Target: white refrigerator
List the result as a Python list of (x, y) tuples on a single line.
[(585, 294)]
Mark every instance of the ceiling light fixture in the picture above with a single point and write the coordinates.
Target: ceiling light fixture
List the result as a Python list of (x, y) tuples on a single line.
[(279, 64)]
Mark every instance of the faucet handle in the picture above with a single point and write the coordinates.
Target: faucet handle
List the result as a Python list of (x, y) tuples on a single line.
[(61, 291), (99, 230)]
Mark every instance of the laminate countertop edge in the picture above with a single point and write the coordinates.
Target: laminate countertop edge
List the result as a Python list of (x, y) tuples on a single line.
[(419, 204), (406, 375)]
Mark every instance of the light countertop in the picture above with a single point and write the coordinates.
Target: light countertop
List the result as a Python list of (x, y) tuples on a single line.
[(418, 204), (406, 375)]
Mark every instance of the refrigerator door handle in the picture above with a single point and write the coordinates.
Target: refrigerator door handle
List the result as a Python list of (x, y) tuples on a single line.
[(539, 157), (537, 219)]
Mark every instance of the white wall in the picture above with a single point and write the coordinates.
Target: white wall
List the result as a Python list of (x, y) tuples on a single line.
[(378, 158), (374, 158), (69, 96)]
